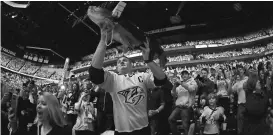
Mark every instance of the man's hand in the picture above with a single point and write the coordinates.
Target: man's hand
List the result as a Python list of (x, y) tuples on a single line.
[(146, 50), (106, 31), (21, 94), (203, 102), (270, 119), (152, 113), (83, 95)]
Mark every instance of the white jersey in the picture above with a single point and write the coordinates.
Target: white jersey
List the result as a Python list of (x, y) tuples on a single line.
[(186, 96), (239, 88), (129, 95), (212, 125)]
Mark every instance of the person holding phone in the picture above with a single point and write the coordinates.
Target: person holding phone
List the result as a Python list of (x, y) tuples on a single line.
[(86, 115)]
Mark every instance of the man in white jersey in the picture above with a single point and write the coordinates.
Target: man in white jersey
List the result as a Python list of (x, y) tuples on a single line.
[(128, 91), (238, 87)]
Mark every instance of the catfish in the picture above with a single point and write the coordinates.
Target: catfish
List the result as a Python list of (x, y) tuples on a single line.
[(124, 32)]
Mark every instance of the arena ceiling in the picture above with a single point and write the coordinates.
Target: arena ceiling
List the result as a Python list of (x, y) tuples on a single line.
[(49, 25)]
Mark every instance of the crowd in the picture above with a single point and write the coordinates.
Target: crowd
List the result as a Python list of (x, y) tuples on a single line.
[(220, 42), (226, 54), (226, 41), (16, 64), (30, 68), (219, 99), (109, 56), (5, 59), (189, 57), (76, 96), (14, 80)]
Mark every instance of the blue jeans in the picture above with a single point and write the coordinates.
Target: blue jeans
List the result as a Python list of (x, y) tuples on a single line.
[(240, 118), (185, 116)]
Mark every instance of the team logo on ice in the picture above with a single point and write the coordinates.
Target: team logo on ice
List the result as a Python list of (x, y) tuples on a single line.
[(133, 95)]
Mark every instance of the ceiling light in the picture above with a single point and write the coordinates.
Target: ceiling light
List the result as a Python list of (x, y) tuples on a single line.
[(13, 16)]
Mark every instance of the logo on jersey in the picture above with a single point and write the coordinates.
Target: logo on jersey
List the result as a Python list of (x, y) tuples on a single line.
[(133, 95)]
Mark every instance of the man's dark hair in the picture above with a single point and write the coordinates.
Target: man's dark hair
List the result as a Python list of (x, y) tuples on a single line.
[(205, 69), (239, 66), (25, 84), (212, 69), (184, 72), (32, 82), (268, 63), (17, 90)]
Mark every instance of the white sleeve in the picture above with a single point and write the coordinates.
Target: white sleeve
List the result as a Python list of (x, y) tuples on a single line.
[(235, 87), (109, 79), (221, 111), (228, 81), (204, 113), (193, 86)]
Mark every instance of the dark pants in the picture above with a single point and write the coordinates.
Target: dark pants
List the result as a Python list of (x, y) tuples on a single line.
[(153, 122), (225, 103), (71, 119), (104, 122), (84, 132), (143, 131), (163, 124), (4, 124), (240, 118), (185, 115), (255, 126)]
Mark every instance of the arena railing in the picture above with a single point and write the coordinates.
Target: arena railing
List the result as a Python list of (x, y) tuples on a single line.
[(55, 81)]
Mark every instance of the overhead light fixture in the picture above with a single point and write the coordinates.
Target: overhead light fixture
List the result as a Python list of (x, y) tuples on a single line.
[(13, 16), (176, 18), (17, 5), (237, 7)]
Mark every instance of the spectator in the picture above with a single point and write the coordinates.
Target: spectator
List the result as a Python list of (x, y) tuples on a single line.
[(205, 85), (105, 119), (185, 94), (86, 115), (213, 116), (118, 85), (49, 118), (156, 104), (237, 86)]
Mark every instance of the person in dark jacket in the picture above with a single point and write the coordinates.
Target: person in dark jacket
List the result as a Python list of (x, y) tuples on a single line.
[(5, 105), (205, 85), (25, 110), (105, 119), (163, 124), (69, 101)]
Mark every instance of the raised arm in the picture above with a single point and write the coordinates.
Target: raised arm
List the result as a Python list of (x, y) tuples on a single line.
[(98, 57), (96, 73), (156, 70), (173, 92)]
